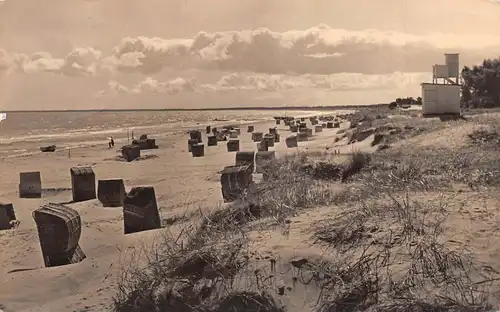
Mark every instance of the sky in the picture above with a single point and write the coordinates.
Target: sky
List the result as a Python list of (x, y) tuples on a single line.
[(87, 54)]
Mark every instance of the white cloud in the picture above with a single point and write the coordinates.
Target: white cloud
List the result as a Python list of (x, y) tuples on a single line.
[(6, 61), (319, 50), (80, 61), (241, 82)]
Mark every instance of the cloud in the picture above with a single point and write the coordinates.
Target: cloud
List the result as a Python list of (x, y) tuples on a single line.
[(80, 61), (150, 85), (242, 82), (320, 50), (5, 61)]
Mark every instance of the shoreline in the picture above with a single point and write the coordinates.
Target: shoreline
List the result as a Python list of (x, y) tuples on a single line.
[(247, 108), (81, 139)]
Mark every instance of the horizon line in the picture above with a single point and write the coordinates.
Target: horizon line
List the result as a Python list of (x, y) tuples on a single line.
[(330, 107)]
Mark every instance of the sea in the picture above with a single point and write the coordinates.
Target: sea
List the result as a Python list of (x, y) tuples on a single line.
[(23, 133)]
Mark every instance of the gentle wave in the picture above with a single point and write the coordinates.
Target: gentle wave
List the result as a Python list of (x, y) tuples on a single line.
[(89, 132), (73, 134), (98, 135)]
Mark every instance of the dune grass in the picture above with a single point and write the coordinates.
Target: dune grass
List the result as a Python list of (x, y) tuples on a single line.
[(400, 259), (390, 246)]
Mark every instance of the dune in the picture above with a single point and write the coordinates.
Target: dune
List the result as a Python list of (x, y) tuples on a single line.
[(298, 235)]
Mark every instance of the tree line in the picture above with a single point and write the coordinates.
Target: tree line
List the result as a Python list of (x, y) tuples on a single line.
[(406, 101), (481, 83)]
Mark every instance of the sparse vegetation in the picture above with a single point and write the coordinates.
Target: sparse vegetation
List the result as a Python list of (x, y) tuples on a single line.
[(386, 230), (402, 102), (486, 138), (397, 245)]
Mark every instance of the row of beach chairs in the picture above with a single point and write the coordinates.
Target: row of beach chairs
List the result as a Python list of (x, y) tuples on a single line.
[(59, 226), (237, 178)]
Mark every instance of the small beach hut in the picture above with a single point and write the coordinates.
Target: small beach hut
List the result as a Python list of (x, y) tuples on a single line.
[(140, 210), (59, 228), (82, 183), (245, 159), (198, 150), (233, 145), (111, 192), (30, 185), (234, 181), (7, 215)]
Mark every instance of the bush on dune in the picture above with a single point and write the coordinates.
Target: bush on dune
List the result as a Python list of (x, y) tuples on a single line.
[(430, 169), (486, 138), (195, 274), (294, 183)]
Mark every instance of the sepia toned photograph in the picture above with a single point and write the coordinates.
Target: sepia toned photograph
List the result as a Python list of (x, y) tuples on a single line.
[(249, 156)]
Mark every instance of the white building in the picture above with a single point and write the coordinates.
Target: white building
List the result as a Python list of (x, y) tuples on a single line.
[(443, 98), (440, 99)]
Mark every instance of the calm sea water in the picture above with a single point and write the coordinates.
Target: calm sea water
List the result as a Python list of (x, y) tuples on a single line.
[(24, 133)]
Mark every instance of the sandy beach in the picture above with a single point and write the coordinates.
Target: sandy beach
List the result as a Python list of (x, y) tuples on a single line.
[(183, 185), (305, 215), (22, 133)]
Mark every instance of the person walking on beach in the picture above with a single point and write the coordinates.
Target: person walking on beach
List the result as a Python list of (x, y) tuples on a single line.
[(111, 142)]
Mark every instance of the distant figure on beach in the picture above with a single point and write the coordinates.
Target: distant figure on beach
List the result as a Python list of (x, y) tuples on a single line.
[(111, 142)]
